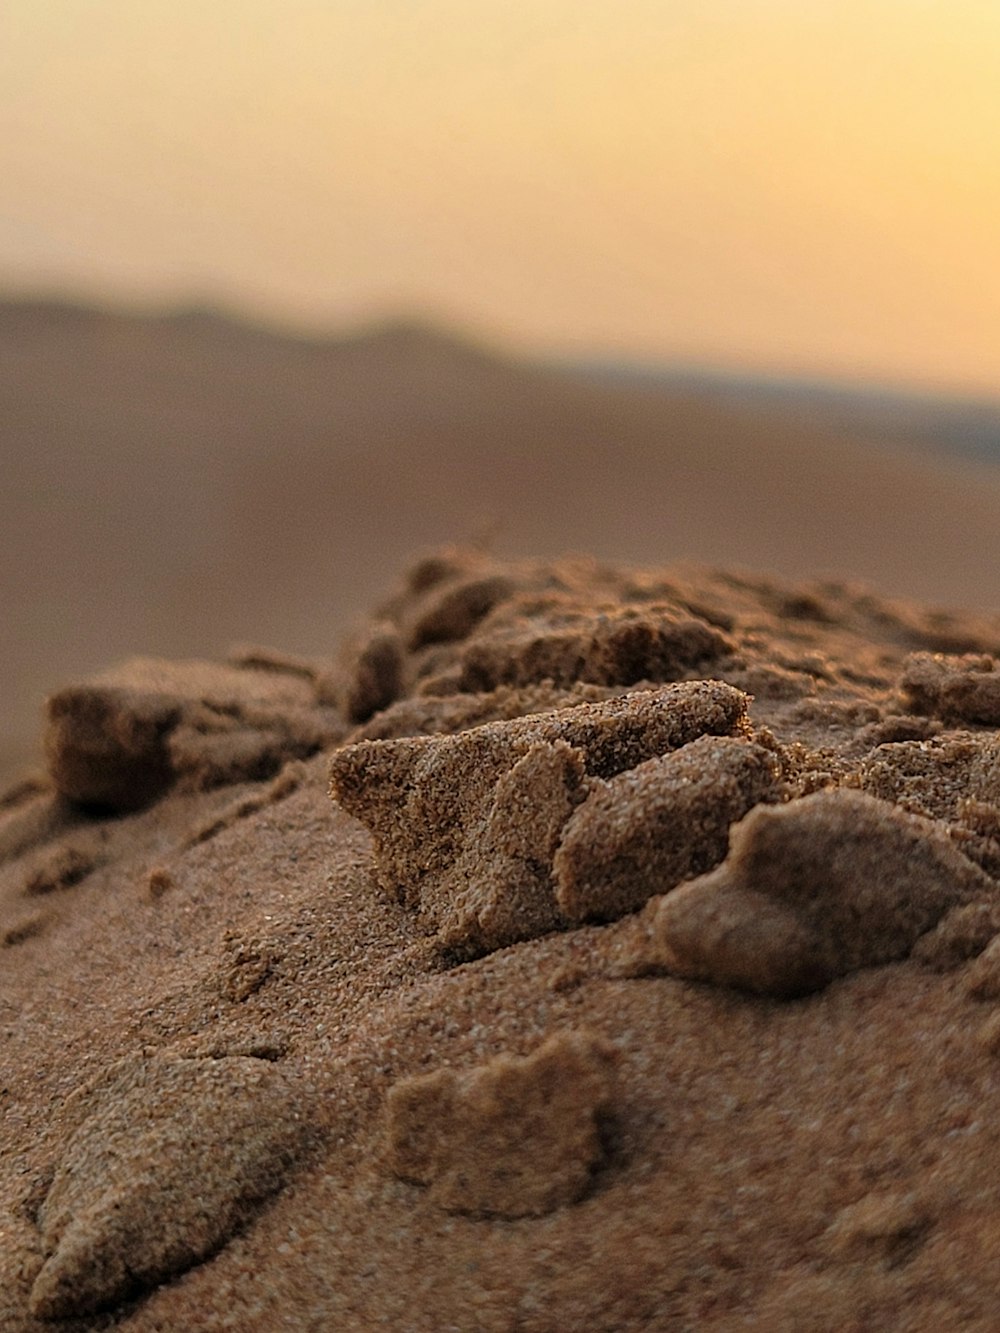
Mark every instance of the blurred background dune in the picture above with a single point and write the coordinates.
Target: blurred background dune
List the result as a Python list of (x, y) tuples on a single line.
[(294, 290)]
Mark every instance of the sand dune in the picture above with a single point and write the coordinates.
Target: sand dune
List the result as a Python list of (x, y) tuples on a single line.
[(175, 483), (641, 974)]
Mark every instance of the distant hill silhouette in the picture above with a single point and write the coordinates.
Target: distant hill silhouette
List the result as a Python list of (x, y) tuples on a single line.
[(172, 482), (962, 427)]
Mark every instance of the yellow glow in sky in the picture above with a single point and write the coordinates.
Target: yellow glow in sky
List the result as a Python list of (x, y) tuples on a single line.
[(804, 185)]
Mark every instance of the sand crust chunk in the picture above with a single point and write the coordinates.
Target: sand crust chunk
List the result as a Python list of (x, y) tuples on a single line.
[(813, 890), (516, 1137), (959, 689), (466, 827), (120, 740), (663, 821), (171, 1156)]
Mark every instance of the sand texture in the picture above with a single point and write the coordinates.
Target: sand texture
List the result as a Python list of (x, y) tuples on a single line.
[(583, 948)]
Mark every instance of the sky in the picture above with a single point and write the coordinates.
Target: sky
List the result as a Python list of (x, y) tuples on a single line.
[(789, 186)]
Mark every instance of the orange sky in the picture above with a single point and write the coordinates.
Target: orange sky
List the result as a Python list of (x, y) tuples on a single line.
[(805, 185)]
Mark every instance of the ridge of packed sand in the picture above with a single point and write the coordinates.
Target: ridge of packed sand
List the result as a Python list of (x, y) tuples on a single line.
[(641, 973), (157, 468)]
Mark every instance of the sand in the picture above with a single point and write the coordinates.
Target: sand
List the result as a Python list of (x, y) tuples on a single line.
[(583, 948)]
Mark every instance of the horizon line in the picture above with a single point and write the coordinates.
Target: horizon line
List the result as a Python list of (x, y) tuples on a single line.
[(636, 366)]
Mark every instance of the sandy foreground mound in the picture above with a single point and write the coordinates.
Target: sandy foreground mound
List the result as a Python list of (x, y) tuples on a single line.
[(585, 949)]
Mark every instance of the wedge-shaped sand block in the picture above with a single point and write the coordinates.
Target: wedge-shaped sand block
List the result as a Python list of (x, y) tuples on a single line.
[(516, 1137), (811, 891), (172, 1156), (466, 827), (501, 886), (664, 821), (121, 739)]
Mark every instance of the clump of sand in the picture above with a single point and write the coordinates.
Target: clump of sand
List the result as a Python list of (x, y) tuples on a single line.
[(640, 973)]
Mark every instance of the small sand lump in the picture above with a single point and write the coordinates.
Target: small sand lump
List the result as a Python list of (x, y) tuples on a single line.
[(658, 823), (120, 740), (511, 1138), (957, 689), (813, 890), (173, 1155), (604, 649)]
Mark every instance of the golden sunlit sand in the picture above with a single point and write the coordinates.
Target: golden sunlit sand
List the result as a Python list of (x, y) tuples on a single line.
[(585, 946)]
